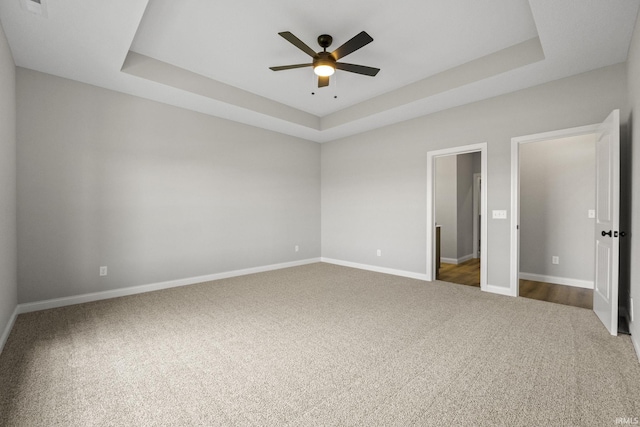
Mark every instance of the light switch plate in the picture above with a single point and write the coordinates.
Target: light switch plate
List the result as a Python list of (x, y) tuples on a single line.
[(501, 214), (591, 213)]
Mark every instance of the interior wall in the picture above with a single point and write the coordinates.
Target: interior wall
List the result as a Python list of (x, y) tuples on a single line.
[(153, 192), (477, 169), (374, 184), (454, 205), (8, 245), (633, 82), (557, 189), (446, 204), (465, 204)]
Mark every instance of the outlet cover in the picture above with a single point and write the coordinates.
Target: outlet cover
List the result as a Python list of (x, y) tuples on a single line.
[(297, 248), (379, 252), (555, 260), (103, 271)]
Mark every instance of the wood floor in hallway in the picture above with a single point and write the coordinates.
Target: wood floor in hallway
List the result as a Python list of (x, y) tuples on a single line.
[(468, 273)]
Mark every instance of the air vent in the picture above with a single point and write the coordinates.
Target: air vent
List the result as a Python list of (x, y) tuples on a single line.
[(37, 7)]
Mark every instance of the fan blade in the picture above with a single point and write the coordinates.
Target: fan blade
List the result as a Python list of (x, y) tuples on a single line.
[(323, 81), (290, 67), (359, 69), (352, 45), (298, 43)]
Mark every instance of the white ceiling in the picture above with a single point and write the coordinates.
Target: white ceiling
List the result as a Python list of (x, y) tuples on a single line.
[(213, 57)]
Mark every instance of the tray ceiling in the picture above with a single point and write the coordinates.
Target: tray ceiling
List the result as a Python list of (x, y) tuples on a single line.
[(213, 57)]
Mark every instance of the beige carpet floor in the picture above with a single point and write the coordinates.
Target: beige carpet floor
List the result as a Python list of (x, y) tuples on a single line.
[(317, 345)]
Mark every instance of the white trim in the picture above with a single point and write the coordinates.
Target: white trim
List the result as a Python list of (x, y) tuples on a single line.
[(8, 328), (97, 296), (500, 290), (567, 281), (431, 214), (402, 273), (514, 263), (457, 260), (634, 338)]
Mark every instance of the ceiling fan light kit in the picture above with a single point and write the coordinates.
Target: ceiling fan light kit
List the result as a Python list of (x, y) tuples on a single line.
[(324, 63)]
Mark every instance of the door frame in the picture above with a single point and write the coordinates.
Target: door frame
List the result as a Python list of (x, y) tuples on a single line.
[(516, 142), (431, 213)]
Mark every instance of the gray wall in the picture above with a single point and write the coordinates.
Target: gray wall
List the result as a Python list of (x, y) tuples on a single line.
[(446, 202), (454, 204), (154, 192), (557, 188), (633, 82), (374, 184), (8, 248), (465, 203)]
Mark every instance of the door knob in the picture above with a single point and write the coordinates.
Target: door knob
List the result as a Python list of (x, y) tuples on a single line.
[(606, 233)]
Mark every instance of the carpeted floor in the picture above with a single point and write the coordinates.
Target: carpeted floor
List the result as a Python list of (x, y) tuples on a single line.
[(317, 345)]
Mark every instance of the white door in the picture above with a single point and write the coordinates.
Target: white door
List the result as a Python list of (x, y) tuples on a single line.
[(605, 293)]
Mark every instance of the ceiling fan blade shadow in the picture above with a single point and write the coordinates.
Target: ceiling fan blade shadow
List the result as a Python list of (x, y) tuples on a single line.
[(323, 81), (359, 40), (298, 43), (359, 69), (289, 67)]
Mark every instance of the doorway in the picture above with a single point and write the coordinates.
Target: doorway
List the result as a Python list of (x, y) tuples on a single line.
[(606, 231), (455, 219), (557, 220), (432, 226)]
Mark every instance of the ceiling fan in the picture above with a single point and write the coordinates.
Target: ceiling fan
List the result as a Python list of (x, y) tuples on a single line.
[(324, 63)]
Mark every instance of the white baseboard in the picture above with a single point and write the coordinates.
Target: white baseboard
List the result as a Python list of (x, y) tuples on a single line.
[(375, 268), (7, 330), (586, 284), (97, 296), (500, 290), (635, 338), (456, 261)]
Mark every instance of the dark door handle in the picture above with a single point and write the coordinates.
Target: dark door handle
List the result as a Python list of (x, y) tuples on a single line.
[(606, 233)]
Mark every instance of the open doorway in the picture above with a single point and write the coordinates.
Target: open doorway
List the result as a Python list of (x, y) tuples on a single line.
[(444, 249), (605, 233), (456, 218), (557, 220)]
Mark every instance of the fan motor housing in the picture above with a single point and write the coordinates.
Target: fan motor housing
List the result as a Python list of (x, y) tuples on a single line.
[(324, 58)]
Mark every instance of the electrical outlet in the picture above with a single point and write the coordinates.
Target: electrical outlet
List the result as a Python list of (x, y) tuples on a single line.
[(103, 271), (379, 252), (297, 248), (555, 260)]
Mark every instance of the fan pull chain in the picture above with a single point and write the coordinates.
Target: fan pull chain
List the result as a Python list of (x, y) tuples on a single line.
[(335, 85), (314, 83)]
